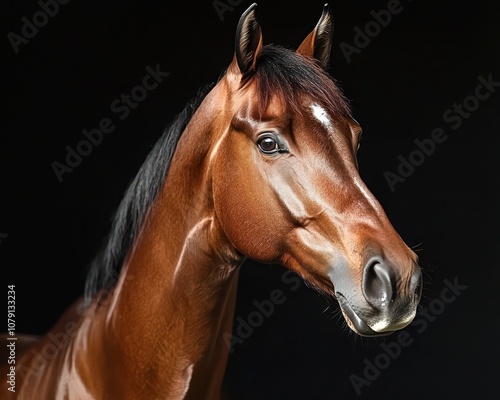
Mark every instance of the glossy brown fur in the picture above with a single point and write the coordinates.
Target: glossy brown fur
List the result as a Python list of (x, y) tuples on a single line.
[(159, 333)]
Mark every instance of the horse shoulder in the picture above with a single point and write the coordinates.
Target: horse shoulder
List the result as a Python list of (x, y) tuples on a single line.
[(39, 359)]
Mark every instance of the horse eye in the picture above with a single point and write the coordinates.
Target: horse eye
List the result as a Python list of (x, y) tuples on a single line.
[(268, 145)]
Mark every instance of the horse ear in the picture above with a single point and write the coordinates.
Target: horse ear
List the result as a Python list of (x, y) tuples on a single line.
[(319, 42), (248, 42)]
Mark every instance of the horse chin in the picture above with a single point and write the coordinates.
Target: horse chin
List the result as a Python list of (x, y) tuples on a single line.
[(355, 322)]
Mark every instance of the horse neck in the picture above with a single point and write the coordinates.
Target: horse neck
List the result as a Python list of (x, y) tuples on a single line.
[(175, 299)]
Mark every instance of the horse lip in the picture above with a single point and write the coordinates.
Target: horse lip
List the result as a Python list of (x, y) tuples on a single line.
[(360, 326)]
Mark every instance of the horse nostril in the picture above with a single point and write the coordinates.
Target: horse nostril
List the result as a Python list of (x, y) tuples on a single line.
[(378, 284)]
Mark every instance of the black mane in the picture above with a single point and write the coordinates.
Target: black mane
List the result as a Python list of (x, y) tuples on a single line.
[(279, 72), (140, 194)]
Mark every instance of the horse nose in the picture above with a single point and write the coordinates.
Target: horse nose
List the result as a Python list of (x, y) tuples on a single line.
[(379, 284)]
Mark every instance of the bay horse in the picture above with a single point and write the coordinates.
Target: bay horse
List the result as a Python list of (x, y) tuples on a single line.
[(261, 165)]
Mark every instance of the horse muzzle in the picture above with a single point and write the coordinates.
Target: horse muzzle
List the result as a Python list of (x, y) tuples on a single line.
[(384, 302)]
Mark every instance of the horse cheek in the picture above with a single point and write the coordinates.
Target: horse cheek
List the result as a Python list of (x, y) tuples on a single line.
[(245, 212)]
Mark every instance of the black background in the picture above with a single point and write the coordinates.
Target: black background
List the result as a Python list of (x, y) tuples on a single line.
[(428, 58)]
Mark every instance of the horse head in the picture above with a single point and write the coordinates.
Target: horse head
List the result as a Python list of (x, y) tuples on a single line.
[(287, 188)]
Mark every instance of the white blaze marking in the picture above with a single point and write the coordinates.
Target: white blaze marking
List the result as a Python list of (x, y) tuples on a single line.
[(321, 115)]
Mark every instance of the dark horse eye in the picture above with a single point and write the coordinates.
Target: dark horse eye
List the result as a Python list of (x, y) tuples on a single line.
[(268, 145)]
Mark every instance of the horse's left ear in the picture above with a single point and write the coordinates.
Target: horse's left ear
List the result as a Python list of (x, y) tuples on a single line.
[(318, 43), (248, 41)]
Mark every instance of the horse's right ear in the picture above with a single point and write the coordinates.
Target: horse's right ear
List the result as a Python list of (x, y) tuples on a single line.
[(248, 42)]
